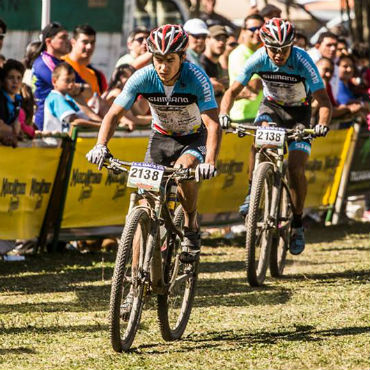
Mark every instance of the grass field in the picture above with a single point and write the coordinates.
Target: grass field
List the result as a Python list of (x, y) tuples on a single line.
[(53, 312)]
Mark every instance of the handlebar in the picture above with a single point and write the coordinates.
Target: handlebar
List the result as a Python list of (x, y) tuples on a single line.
[(297, 133), (118, 166)]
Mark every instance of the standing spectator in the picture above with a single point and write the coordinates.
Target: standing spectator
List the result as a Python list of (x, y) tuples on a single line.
[(135, 44), (301, 40), (55, 44), (10, 102), (215, 46), (3, 29), (326, 46), (32, 52), (270, 11), (231, 44), (197, 31), (246, 106), (83, 47), (212, 18), (342, 48)]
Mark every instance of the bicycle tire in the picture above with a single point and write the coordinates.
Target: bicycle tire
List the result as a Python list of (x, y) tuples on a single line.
[(174, 310), (261, 190), (280, 244), (123, 330)]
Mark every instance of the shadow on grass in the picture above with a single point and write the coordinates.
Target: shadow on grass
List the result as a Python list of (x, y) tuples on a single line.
[(355, 276), (207, 340), (17, 351)]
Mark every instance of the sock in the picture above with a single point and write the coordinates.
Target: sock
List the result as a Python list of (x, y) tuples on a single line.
[(297, 221)]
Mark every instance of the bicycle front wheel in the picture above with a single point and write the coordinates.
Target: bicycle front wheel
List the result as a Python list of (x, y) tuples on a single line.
[(280, 243), (258, 238), (174, 307), (128, 285)]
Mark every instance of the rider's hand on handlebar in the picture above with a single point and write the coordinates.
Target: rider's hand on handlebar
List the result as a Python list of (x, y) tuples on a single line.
[(205, 171), (321, 130), (224, 121), (98, 154)]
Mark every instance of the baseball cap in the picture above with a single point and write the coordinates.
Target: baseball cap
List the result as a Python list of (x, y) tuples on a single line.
[(196, 26), (217, 30)]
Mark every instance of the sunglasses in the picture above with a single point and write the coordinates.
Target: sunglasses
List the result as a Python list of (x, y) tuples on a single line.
[(140, 40), (233, 44), (282, 50), (254, 29)]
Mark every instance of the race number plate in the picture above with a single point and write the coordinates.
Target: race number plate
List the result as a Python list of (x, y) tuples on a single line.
[(270, 136), (146, 176)]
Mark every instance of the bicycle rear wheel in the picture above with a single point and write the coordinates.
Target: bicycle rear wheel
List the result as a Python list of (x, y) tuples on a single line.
[(174, 307), (280, 243), (128, 285), (258, 239)]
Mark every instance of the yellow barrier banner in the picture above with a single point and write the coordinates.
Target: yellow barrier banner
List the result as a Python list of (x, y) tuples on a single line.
[(27, 176), (98, 198), (325, 166)]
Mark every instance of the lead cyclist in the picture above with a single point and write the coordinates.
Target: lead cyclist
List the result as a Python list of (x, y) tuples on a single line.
[(185, 127), (290, 80)]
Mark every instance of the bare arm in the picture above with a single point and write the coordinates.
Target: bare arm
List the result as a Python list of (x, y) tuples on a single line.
[(142, 60), (110, 122), (325, 107), (229, 97), (214, 133)]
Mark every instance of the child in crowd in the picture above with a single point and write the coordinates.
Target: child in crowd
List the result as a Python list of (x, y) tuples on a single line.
[(61, 110), (10, 102)]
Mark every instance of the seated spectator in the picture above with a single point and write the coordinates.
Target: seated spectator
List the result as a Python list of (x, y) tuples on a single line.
[(215, 46), (326, 69), (137, 114), (301, 40), (10, 102), (136, 45), (55, 44), (61, 110), (198, 32)]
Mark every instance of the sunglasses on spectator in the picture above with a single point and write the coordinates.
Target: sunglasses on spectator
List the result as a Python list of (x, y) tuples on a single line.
[(254, 29), (2, 35), (233, 44), (140, 40), (282, 50)]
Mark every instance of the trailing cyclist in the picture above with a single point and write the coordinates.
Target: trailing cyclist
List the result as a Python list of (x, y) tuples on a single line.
[(185, 127), (290, 80)]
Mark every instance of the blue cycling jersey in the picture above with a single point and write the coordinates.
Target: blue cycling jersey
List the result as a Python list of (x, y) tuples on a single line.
[(177, 109), (289, 85)]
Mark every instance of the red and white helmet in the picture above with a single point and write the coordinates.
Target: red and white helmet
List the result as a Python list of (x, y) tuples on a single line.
[(170, 38), (277, 32)]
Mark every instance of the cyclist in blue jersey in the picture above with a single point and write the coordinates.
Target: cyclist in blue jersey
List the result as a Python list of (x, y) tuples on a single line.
[(290, 80), (185, 127)]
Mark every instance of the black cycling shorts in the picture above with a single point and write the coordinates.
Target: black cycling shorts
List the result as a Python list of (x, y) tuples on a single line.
[(165, 150), (283, 116), (286, 117)]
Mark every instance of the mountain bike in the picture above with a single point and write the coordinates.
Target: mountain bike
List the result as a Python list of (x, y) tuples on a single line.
[(270, 214), (148, 258)]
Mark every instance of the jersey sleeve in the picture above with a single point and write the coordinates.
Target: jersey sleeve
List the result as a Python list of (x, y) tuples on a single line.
[(134, 86), (60, 107), (310, 71), (251, 67), (203, 89)]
